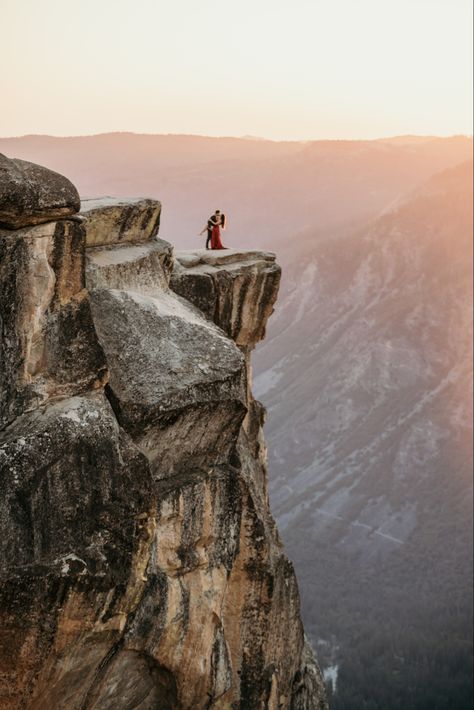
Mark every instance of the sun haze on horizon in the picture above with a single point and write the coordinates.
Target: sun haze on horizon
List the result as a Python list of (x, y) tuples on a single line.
[(312, 70)]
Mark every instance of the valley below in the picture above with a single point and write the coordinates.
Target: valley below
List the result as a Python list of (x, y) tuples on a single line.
[(367, 376)]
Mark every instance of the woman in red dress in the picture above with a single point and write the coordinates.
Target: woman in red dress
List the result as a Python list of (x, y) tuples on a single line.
[(213, 228), (216, 237)]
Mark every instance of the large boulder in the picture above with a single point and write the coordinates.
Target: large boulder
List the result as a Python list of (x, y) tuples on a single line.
[(32, 194), (115, 221), (177, 384), (71, 477)]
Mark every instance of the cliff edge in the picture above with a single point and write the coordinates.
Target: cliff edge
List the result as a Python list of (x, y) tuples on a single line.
[(140, 564)]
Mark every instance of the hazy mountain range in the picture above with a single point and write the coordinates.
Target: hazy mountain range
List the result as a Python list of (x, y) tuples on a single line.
[(366, 372), (270, 190)]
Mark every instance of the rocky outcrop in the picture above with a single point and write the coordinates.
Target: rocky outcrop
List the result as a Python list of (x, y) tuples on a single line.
[(139, 267), (112, 221), (236, 289), (177, 384), (31, 194), (72, 461), (140, 563), (49, 347)]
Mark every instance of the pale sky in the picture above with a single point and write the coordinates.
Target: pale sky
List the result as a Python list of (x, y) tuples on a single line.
[(282, 69)]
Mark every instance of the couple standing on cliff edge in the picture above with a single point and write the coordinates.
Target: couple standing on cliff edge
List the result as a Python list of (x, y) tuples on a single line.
[(213, 228)]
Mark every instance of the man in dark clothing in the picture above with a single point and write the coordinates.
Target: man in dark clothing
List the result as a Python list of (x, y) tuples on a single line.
[(210, 224)]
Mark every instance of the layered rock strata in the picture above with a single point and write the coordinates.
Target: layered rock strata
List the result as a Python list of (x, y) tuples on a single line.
[(141, 567)]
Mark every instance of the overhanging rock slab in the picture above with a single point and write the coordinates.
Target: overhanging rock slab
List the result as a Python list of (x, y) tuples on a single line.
[(177, 383), (235, 288)]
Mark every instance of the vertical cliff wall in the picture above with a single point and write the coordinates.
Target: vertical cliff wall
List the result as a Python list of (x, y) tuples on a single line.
[(140, 564)]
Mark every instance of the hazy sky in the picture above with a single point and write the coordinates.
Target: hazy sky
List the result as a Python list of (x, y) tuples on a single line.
[(275, 68)]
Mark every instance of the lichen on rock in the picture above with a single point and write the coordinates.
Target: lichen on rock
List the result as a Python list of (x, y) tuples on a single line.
[(140, 563)]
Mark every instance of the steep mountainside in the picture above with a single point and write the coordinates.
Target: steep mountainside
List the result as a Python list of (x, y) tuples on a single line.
[(367, 374)]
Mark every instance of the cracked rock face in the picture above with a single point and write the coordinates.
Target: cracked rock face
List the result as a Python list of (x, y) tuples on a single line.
[(235, 289), (75, 523), (93, 482), (111, 221), (49, 347), (140, 564), (31, 194), (177, 384)]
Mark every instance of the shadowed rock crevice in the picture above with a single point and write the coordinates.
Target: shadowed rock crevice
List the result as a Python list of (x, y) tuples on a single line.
[(134, 680)]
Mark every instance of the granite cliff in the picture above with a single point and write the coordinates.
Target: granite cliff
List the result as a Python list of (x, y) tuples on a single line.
[(141, 566)]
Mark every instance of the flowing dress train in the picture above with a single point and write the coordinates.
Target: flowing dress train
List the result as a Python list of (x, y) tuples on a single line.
[(216, 238)]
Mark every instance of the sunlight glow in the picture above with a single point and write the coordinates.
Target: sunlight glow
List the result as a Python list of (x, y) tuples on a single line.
[(302, 69)]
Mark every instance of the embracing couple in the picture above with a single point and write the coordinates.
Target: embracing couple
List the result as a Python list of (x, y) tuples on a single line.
[(213, 228)]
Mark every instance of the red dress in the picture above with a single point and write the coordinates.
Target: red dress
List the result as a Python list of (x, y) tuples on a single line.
[(216, 238)]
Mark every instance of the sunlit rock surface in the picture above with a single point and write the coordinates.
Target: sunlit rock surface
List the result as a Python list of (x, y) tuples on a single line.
[(236, 289), (111, 221), (138, 267), (141, 567)]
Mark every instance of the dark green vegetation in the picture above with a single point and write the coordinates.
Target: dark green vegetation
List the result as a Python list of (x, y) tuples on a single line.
[(403, 625)]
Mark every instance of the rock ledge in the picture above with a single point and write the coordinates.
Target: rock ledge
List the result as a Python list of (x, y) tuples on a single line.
[(235, 288)]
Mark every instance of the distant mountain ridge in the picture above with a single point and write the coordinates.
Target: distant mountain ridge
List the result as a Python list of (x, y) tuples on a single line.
[(270, 190)]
